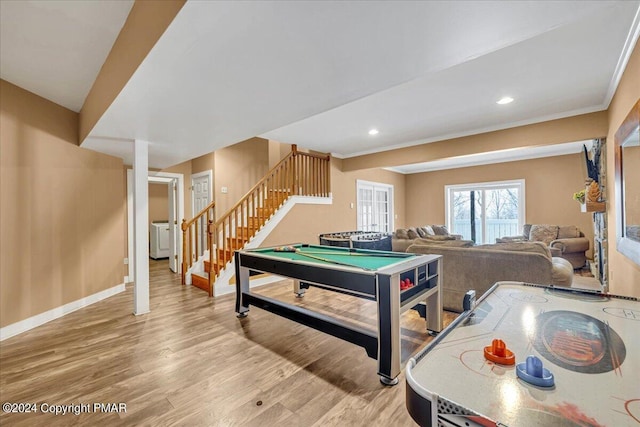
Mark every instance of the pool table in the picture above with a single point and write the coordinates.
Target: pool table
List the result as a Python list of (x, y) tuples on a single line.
[(370, 274)]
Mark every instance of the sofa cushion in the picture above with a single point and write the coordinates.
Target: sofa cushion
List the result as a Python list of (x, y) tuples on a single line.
[(438, 237), (543, 233), (535, 247), (568, 232), (444, 241), (526, 230), (511, 239), (440, 230)]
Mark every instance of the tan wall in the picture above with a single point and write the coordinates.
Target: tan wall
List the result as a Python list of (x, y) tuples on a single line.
[(62, 210), (577, 128), (624, 275), (277, 152), (549, 186), (238, 167), (158, 202), (305, 222), (146, 22), (203, 163)]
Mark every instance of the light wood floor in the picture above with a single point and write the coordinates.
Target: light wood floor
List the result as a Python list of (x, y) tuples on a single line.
[(191, 362)]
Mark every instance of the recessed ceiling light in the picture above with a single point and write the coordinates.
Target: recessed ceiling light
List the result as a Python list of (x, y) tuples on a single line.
[(373, 132), (505, 100)]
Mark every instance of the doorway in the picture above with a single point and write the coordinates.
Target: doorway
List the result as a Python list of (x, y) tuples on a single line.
[(485, 211), (374, 206), (175, 215)]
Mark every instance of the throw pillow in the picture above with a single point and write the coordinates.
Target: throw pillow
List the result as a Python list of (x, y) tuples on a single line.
[(401, 233), (440, 230), (412, 233), (543, 233), (429, 230), (568, 232), (526, 230), (421, 231)]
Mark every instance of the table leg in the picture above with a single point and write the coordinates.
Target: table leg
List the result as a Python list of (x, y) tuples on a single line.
[(434, 306), (242, 286), (299, 288), (388, 299)]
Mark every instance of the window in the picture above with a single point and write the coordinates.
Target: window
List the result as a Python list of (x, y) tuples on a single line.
[(483, 212), (375, 206)]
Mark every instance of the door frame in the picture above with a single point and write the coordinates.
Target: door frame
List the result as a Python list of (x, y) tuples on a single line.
[(153, 177)]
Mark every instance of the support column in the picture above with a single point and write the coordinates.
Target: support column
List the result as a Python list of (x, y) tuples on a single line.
[(141, 226)]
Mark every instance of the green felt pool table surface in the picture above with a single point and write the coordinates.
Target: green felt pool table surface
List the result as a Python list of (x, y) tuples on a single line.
[(359, 258)]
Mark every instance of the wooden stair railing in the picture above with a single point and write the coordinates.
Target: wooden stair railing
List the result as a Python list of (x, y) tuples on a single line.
[(192, 244), (299, 173)]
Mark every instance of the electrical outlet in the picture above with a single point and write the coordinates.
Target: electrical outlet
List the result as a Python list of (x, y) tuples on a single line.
[(224, 190), (126, 261)]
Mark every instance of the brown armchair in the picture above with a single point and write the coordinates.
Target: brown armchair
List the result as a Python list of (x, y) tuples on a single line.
[(565, 241)]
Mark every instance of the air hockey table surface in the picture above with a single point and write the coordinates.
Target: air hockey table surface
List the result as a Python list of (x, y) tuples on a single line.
[(590, 342)]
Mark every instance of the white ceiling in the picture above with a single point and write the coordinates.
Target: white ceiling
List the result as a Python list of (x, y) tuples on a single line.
[(321, 74), (56, 48)]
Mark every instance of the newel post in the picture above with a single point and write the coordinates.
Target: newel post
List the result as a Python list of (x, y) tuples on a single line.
[(294, 155), (184, 227)]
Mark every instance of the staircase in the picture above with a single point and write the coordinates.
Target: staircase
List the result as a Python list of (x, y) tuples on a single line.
[(300, 174)]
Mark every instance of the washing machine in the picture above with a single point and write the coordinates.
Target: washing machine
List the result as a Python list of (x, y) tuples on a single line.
[(159, 240)]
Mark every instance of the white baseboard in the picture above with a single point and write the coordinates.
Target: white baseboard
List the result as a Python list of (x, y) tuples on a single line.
[(42, 318)]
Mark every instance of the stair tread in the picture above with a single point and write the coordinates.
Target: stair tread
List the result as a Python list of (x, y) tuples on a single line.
[(201, 274)]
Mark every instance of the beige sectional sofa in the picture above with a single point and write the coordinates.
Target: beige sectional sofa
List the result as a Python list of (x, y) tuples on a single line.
[(565, 241), (402, 238), (465, 266)]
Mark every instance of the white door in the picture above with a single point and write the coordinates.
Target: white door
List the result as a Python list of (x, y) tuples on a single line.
[(173, 225), (375, 206), (201, 196)]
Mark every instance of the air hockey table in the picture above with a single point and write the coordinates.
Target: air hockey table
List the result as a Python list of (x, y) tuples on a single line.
[(588, 344), (370, 274)]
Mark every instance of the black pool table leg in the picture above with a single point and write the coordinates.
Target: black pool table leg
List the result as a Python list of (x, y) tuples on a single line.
[(242, 287), (388, 299)]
